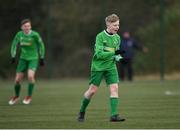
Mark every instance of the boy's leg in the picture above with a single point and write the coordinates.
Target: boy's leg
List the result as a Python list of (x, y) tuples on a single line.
[(30, 89), (114, 99), (21, 68), (32, 67), (87, 97), (112, 80), (95, 80), (31, 79), (18, 80), (17, 88), (19, 77), (86, 100)]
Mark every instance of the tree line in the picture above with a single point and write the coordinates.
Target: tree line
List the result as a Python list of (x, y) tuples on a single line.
[(69, 27)]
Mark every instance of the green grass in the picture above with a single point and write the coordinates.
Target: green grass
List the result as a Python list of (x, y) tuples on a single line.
[(56, 104)]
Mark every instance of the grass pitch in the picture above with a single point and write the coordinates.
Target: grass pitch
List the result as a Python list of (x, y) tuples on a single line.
[(55, 104)]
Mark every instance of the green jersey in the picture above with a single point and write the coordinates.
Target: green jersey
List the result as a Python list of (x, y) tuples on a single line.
[(104, 56), (31, 45)]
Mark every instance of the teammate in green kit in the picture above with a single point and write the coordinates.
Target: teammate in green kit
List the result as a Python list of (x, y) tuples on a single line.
[(32, 53), (104, 66)]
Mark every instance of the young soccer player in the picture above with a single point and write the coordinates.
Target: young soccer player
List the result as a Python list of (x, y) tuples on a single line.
[(104, 66), (32, 53)]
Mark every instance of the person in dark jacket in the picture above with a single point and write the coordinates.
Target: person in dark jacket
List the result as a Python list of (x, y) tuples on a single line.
[(128, 44)]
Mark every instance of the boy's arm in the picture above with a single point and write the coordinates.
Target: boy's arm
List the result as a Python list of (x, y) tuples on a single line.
[(41, 47), (14, 46), (99, 50)]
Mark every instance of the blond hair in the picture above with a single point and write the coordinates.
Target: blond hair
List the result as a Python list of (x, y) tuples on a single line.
[(111, 18)]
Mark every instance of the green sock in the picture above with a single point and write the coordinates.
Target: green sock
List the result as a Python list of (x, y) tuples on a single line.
[(114, 106), (84, 104), (17, 88), (30, 89)]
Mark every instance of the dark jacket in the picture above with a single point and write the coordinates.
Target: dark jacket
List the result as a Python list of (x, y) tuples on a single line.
[(128, 45)]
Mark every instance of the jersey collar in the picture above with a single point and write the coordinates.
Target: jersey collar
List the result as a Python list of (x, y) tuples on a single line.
[(108, 34)]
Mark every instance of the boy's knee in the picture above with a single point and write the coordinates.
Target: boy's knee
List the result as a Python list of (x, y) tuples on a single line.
[(18, 80), (91, 91), (114, 90), (31, 78)]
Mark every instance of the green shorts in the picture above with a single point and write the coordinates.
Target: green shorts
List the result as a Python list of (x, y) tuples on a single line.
[(111, 76), (24, 65)]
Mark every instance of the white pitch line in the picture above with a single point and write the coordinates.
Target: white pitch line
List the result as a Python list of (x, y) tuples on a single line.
[(170, 93)]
